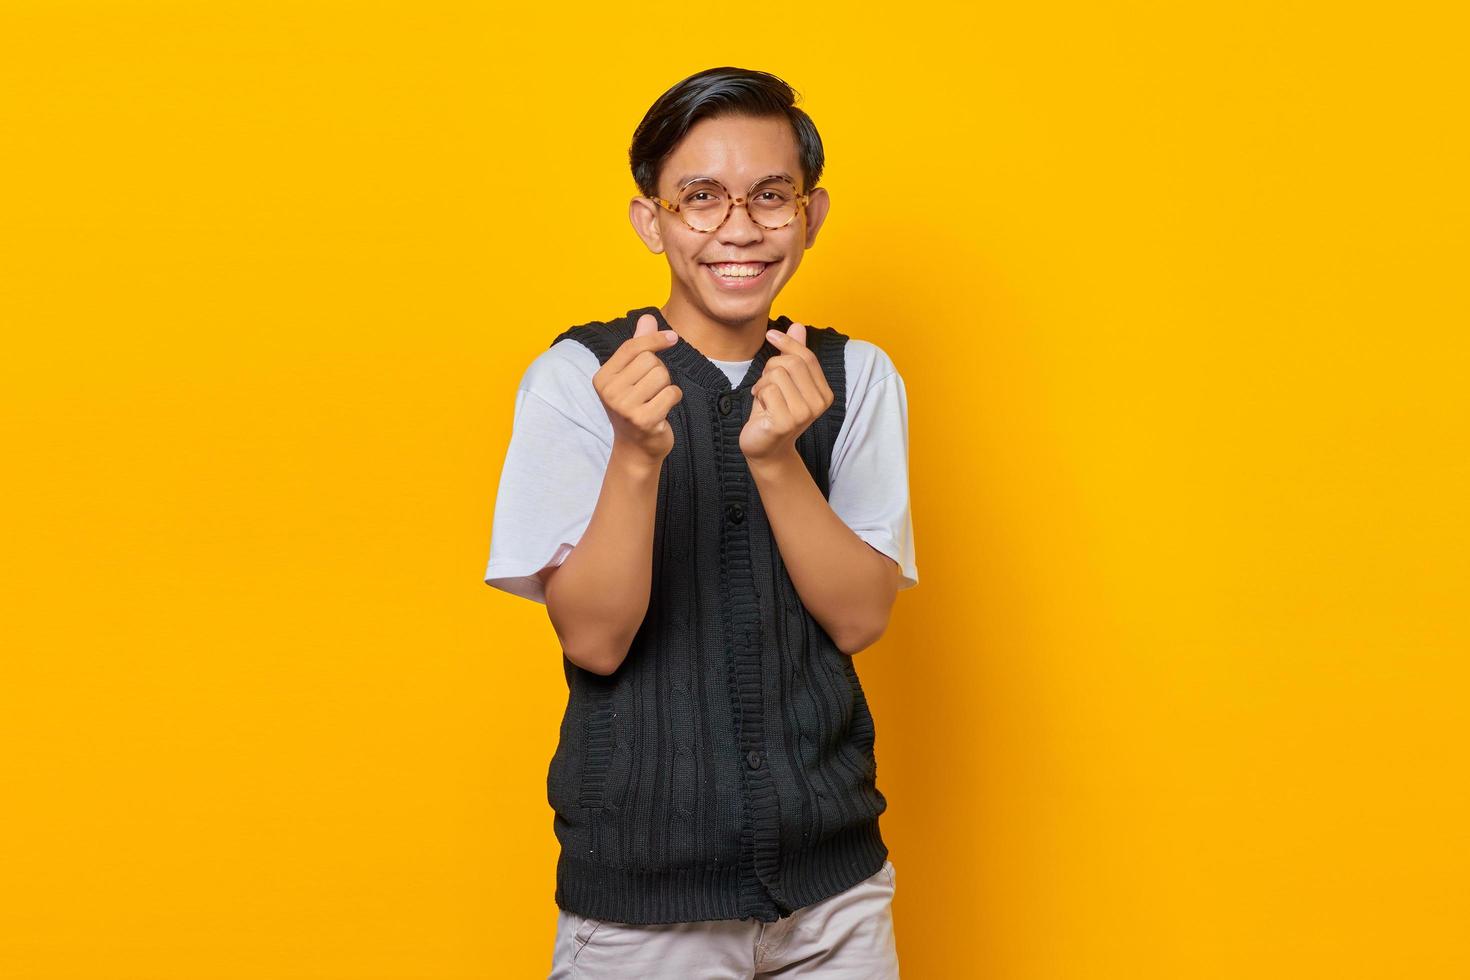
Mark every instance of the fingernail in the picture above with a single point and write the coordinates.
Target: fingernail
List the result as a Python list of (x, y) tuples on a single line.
[(673, 337), (773, 334)]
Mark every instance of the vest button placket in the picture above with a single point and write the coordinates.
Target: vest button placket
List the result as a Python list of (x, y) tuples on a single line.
[(761, 894)]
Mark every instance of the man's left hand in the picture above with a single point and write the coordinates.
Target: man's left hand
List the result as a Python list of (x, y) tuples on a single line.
[(791, 393)]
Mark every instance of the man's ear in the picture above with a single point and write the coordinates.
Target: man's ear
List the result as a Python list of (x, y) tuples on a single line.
[(643, 213), (816, 213)]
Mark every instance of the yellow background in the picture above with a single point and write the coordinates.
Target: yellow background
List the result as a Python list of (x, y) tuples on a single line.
[(1178, 292)]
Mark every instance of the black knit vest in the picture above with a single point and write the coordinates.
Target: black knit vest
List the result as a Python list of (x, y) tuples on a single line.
[(725, 770)]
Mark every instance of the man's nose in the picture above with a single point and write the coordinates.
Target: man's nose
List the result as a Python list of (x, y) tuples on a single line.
[(739, 227)]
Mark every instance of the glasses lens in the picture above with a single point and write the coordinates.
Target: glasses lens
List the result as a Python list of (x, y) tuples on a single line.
[(773, 202), (703, 204)]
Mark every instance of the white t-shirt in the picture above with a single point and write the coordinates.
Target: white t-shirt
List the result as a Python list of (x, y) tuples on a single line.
[(561, 440)]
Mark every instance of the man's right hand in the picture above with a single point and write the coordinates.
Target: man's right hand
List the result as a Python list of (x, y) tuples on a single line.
[(637, 393)]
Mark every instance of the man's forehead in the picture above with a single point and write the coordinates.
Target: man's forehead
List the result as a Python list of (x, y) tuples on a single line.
[(735, 149)]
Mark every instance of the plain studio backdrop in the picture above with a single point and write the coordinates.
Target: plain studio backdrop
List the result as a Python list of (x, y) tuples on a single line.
[(1178, 293)]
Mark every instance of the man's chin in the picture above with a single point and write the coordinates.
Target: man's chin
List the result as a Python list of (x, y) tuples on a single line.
[(736, 307), (740, 312)]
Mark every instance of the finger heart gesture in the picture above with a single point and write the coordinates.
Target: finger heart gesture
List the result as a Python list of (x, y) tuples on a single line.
[(792, 392)]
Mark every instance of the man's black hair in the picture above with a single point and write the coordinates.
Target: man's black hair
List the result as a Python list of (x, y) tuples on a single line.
[(712, 93)]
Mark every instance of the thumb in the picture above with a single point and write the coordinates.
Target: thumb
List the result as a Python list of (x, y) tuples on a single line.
[(646, 325), (797, 332)]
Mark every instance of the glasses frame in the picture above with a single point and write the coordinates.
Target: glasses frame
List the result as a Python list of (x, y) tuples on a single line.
[(802, 197)]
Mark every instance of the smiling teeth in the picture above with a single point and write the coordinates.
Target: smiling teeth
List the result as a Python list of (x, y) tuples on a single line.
[(738, 270)]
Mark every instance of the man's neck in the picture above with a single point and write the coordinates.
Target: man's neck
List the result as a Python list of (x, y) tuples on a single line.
[(712, 338)]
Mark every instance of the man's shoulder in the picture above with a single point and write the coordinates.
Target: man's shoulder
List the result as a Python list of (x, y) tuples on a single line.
[(565, 361), (576, 352), (600, 337), (561, 376), (867, 364), (869, 355)]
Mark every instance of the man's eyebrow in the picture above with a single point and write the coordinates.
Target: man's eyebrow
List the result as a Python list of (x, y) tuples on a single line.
[(686, 178)]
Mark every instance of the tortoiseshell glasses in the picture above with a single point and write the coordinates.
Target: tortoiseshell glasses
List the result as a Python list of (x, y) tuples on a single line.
[(705, 204)]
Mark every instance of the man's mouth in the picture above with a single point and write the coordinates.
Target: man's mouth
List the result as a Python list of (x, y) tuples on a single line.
[(737, 275)]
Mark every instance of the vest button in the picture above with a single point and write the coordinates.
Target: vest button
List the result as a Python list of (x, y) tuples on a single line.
[(724, 404), (735, 513), (753, 759)]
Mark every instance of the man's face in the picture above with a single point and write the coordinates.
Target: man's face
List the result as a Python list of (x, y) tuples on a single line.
[(736, 151)]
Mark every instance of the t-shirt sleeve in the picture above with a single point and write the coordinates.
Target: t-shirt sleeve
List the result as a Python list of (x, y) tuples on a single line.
[(868, 483), (553, 473)]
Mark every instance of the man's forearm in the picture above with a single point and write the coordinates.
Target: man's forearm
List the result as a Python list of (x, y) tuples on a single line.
[(598, 596), (848, 586)]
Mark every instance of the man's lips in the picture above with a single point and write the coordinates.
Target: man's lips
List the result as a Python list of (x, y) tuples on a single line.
[(744, 281)]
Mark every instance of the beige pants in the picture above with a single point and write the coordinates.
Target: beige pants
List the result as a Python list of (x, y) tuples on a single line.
[(846, 937)]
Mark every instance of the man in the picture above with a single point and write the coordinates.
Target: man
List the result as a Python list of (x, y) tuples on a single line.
[(713, 505)]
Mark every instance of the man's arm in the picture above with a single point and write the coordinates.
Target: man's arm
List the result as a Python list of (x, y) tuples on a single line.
[(598, 596), (847, 585)]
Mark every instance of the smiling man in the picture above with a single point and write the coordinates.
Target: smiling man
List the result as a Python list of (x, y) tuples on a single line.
[(713, 505)]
